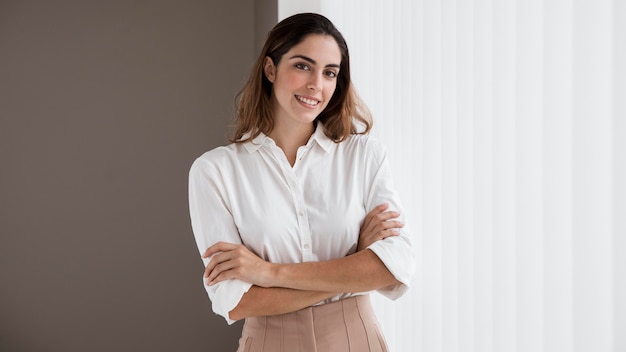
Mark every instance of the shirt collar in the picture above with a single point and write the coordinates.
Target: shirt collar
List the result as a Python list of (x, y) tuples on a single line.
[(318, 136), (321, 138), (254, 144)]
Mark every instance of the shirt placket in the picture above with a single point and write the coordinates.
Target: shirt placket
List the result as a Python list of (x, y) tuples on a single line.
[(298, 201), (303, 218)]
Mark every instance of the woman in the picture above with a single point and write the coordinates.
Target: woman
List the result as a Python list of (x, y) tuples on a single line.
[(296, 220)]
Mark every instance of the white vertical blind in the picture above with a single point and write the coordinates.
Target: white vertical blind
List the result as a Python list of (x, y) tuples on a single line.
[(558, 188), (619, 167), (505, 122)]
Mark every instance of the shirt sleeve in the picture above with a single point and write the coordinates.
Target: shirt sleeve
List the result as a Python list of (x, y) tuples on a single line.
[(396, 252), (212, 222)]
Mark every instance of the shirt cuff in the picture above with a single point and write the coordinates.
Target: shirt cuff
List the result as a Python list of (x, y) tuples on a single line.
[(225, 296), (397, 255)]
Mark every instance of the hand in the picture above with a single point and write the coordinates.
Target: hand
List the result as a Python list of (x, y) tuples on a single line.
[(378, 225), (235, 261)]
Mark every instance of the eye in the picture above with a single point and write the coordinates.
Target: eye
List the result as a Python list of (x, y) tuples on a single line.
[(331, 74), (302, 66)]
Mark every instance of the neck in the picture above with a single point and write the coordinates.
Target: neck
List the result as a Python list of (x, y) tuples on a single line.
[(290, 138)]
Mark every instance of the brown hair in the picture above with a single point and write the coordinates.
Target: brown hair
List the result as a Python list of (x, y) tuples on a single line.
[(345, 114)]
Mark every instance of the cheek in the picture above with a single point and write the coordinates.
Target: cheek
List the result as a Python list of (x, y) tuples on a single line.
[(290, 79), (330, 89), (294, 81), (287, 85)]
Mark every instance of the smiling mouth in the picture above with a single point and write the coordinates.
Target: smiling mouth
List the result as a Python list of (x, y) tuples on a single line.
[(307, 101)]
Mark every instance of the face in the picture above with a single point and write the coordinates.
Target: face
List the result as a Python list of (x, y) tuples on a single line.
[(304, 80)]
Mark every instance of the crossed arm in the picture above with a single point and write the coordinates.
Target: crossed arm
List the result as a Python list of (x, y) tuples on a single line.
[(284, 288)]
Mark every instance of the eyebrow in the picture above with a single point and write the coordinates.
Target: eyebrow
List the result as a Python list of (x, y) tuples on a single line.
[(306, 58)]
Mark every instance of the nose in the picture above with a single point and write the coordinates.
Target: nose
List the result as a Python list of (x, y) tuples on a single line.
[(315, 82)]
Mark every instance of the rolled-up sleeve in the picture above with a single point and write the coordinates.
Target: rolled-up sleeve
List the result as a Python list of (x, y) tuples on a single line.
[(212, 222), (396, 252)]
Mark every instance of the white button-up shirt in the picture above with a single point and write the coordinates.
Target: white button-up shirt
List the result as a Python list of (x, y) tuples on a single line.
[(248, 193)]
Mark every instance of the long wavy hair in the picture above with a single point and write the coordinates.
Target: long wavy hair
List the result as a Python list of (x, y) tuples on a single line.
[(345, 114)]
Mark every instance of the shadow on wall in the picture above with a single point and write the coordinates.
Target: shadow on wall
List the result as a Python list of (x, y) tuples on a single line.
[(104, 106)]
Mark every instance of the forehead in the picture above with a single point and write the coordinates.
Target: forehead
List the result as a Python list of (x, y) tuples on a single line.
[(321, 48)]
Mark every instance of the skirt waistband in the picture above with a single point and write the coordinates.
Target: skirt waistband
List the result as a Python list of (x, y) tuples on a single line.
[(345, 325)]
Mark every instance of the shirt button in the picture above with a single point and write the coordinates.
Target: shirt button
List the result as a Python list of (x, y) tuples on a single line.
[(301, 213), (306, 246)]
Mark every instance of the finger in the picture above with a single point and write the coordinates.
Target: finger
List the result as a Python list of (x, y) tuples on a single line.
[(378, 236), (219, 247), (226, 275), (380, 218), (375, 224), (219, 278), (390, 224), (377, 210), (216, 260), (220, 270), (389, 233), (383, 232), (387, 216)]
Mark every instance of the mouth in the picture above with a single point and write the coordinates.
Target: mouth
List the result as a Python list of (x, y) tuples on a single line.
[(307, 101)]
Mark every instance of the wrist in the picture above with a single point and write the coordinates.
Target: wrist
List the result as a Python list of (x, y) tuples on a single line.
[(272, 273)]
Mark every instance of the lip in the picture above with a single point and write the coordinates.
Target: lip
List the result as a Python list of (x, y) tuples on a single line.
[(307, 101)]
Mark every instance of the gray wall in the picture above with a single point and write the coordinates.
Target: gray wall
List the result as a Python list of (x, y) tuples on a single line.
[(103, 107)]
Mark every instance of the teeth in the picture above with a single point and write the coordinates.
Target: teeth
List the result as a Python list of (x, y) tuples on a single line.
[(307, 101)]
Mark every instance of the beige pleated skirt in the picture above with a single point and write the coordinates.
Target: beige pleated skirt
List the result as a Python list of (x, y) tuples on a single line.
[(348, 325)]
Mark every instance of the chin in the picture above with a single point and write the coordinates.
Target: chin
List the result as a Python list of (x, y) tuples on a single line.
[(306, 118)]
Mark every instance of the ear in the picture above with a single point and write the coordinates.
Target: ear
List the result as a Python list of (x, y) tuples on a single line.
[(269, 69)]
